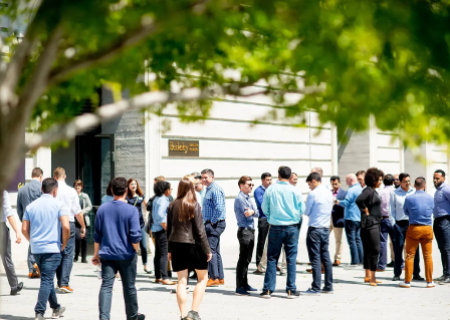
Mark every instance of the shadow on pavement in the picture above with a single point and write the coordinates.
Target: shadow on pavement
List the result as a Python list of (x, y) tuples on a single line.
[(10, 317)]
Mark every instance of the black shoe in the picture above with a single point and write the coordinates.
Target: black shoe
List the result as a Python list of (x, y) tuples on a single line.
[(293, 294), (418, 278), (140, 317), (84, 260), (16, 290), (75, 259), (441, 278), (258, 273), (390, 264), (396, 278), (265, 294), (446, 281)]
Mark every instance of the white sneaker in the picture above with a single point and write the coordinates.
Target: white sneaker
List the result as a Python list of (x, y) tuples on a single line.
[(431, 284), (405, 284)]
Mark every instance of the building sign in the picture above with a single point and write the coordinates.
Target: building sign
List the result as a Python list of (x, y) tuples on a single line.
[(19, 179), (184, 148)]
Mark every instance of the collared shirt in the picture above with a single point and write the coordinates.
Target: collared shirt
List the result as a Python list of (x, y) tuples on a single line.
[(335, 193), (318, 207), (442, 201), (27, 194), (241, 204), (259, 197), (159, 212), (7, 210), (202, 195), (397, 202), (199, 199), (419, 208), (45, 226), (352, 211), (385, 195), (214, 204), (283, 204), (69, 197)]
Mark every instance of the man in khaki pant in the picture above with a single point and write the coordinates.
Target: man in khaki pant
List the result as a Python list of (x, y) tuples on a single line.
[(337, 218), (419, 208)]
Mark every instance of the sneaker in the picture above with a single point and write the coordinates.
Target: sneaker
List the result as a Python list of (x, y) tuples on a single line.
[(241, 292), (405, 284), (193, 315), (66, 289), (58, 312), (17, 289), (441, 278), (258, 273), (431, 284), (140, 316), (212, 283), (39, 316), (390, 264), (250, 288), (311, 292), (446, 281), (395, 278), (327, 291), (265, 294), (293, 294), (418, 278), (283, 273)]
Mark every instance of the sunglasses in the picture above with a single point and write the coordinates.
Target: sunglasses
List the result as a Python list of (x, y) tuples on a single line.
[(250, 185)]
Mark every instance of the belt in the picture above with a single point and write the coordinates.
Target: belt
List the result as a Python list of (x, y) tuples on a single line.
[(246, 228), (385, 217), (216, 222), (419, 225)]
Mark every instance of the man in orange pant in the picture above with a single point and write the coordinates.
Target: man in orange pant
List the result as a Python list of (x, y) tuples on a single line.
[(419, 208)]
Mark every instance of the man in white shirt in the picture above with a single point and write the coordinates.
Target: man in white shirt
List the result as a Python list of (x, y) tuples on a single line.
[(69, 197), (5, 244)]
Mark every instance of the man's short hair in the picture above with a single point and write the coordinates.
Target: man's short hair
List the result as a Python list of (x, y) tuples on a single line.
[(319, 170), (333, 178), (420, 182), (293, 173), (209, 172), (48, 185), (37, 173), (265, 175), (388, 180), (59, 173), (403, 175), (314, 176), (243, 180), (360, 172), (441, 172), (119, 186), (160, 178), (284, 172)]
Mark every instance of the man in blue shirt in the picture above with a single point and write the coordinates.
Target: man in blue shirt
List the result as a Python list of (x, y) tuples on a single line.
[(283, 206), (27, 194), (419, 208), (41, 225), (245, 211), (318, 208), (352, 216), (117, 234), (442, 221), (214, 214), (263, 225), (401, 226)]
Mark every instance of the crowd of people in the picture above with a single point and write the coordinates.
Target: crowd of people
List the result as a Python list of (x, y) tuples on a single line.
[(186, 232)]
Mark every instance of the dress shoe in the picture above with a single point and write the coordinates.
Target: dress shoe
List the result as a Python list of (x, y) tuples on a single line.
[(35, 266), (396, 278), (336, 263), (84, 260), (221, 282), (168, 282), (33, 275), (278, 268), (249, 288), (445, 281), (17, 289), (258, 273), (418, 278), (380, 270), (158, 280), (212, 283), (390, 264), (75, 259), (241, 292)]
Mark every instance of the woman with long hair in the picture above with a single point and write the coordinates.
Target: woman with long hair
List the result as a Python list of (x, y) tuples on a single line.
[(188, 246), (136, 198), (86, 208), (369, 202), (159, 226)]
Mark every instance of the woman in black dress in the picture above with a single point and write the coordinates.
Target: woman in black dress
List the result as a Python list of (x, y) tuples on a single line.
[(188, 246), (369, 202)]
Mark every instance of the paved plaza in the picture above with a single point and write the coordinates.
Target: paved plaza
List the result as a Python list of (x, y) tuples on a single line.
[(352, 299)]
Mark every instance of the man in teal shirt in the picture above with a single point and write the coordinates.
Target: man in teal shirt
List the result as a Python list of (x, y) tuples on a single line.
[(283, 206)]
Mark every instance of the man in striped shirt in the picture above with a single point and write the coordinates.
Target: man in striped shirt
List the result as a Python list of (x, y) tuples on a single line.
[(214, 214)]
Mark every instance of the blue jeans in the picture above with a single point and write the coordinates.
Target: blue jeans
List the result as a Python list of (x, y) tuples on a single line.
[(352, 230), (279, 235), (47, 263), (127, 270), (213, 232), (317, 244), (400, 229), (387, 229), (64, 270), (442, 233)]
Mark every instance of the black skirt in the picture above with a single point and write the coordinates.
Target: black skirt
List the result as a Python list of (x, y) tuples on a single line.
[(188, 256)]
